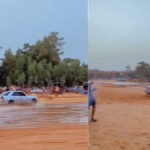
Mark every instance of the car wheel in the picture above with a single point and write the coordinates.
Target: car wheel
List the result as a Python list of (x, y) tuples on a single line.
[(11, 102), (34, 100)]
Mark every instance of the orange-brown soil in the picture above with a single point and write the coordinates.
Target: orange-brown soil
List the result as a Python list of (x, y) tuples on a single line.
[(123, 114), (58, 136)]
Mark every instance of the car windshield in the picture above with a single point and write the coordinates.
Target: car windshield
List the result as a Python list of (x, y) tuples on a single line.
[(6, 93)]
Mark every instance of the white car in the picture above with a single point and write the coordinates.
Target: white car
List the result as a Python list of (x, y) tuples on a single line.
[(16, 97), (147, 89), (36, 90)]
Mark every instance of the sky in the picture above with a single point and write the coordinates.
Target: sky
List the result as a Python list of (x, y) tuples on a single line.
[(27, 21), (119, 33)]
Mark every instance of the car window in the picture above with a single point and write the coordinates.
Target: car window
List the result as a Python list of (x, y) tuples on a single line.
[(21, 94), (18, 94), (5, 94), (15, 94)]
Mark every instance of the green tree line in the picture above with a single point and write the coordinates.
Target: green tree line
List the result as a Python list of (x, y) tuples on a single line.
[(40, 65)]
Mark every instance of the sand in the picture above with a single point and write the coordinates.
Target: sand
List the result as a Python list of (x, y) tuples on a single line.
[(123, 114), (57, 136)]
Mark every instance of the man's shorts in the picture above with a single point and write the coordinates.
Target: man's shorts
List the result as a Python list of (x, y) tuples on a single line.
[(92, 102)]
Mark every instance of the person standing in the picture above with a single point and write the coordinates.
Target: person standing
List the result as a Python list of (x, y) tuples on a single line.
[(91, 102), (57, 90)]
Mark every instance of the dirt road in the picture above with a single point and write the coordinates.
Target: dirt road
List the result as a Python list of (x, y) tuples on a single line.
[(54, 137), (44, 127), (123, 114)]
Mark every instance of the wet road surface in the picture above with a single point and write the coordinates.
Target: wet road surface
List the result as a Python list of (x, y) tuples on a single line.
[(42, 115)]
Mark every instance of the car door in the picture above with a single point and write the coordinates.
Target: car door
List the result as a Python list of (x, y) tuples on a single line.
[(16, 97), (25, 98), (19, 97)]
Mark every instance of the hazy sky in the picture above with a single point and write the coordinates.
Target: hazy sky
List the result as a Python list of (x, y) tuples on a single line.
[(23, 21), (119, 33)]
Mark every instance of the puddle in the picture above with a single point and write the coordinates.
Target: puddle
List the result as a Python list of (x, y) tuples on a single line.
[(126, 83), (42, 115)]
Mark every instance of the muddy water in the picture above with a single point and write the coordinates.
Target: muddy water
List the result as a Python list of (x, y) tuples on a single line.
[(42, 115)]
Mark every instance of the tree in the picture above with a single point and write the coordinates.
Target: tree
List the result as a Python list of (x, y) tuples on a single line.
[(48, 49), (143, 70), (21, 79), (40, 64), (8, 81)]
